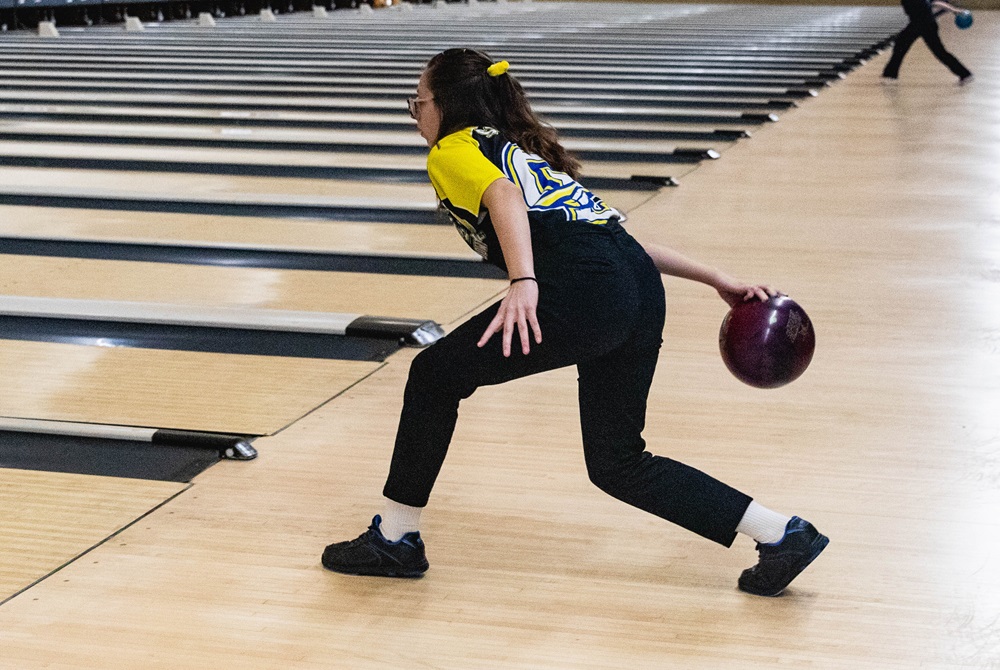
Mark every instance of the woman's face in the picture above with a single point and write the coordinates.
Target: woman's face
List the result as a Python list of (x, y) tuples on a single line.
[(426, 112)]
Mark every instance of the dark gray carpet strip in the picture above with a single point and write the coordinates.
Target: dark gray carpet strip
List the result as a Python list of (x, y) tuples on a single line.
[(250, 258)]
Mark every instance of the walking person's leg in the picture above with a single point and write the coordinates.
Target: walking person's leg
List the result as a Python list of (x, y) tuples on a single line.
[(904, 40), (932, 38)]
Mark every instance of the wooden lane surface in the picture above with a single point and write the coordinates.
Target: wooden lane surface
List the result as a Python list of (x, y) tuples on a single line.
[(265, 78), (296, 47), (440, 299), (228, 393), (642, 90), (885, 235), (392, 122), (407, 139), (240, 190), (17, 90), (244, 157), (150, 65), (235, 155), (229, 52), (47, 519), (239, 156), (235, 232), (714, 27), (178, 186)]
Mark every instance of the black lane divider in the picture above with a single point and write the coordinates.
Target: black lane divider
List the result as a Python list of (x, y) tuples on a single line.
[(252, 258), (530, 83), (382, 175), (397, 67), (73, 53), (256, 105), (72, 57), (232, 208), (366, 346), (611, 114), (779, 71), (104, 457), (638, 38), (617, 133), (799, 48), (677, 156), (329, 90), (654, 99), (296, 76)]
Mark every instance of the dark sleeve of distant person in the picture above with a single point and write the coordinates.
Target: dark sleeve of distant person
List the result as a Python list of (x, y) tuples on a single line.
[(919, 11)]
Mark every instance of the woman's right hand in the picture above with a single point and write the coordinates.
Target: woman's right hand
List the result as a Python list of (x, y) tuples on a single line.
[(734, 291), (517, 310)]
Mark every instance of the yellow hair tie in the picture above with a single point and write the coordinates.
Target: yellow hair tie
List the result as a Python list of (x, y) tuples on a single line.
[(498, 69)]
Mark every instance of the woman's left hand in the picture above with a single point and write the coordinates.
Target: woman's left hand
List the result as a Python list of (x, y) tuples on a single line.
[(517, 310), (734, 291)]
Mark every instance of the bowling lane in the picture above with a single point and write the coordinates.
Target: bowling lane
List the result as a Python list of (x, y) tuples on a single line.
[(234, 232), (175, 186), (367, 173), (285, 91), (441, 299), (527, 68), (612, 121), (407, 142), (51, 518), (329, 199), (186, 390), (29, 94), (117, 51), (142, 76)]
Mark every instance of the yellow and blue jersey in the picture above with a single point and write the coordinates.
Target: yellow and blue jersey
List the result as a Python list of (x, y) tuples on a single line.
[(462, 166)]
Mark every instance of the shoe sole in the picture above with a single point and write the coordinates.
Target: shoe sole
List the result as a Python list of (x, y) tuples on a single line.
[(816, 548), (375, 572)]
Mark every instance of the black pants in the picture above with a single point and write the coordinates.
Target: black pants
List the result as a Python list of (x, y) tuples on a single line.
[(928, 30), (601, 308)]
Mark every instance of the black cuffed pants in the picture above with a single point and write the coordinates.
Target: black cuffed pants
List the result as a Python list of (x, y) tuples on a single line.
[(928, 30), (601, 308)]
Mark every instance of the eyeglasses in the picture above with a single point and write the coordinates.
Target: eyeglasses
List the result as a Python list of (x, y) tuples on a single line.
[(414, 105)]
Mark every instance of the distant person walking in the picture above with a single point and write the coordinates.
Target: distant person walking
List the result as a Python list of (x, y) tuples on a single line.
[(923, 23)]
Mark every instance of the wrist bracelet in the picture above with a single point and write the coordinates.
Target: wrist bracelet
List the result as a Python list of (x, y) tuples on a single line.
[(514, 281)]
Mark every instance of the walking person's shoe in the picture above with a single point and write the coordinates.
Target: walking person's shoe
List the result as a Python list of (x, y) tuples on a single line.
[(372, 554), (780, 562)]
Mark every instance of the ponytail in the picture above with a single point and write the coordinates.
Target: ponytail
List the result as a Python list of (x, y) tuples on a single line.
[(471, 90)]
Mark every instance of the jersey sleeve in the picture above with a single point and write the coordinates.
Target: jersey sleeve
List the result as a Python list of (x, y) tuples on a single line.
[(460, 173)]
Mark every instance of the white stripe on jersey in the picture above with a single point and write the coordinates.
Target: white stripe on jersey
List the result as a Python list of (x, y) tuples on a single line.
[(546, 189)]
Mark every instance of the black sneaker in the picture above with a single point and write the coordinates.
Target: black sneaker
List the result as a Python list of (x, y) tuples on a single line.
[(781, 562), (372, 554)]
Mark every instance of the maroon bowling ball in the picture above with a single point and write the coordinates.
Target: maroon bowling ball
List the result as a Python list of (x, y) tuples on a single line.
[(767, 344)]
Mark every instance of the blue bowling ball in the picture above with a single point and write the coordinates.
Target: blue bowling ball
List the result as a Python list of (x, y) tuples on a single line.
[(963, 19)]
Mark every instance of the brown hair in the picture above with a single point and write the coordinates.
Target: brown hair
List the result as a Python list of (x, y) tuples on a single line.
[(467, 96)]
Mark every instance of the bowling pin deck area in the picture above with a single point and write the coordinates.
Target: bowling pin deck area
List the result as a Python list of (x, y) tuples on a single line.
[(155, 185)]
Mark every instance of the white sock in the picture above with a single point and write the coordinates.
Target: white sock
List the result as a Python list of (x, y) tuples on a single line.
[(398, 520), (763, 525)]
